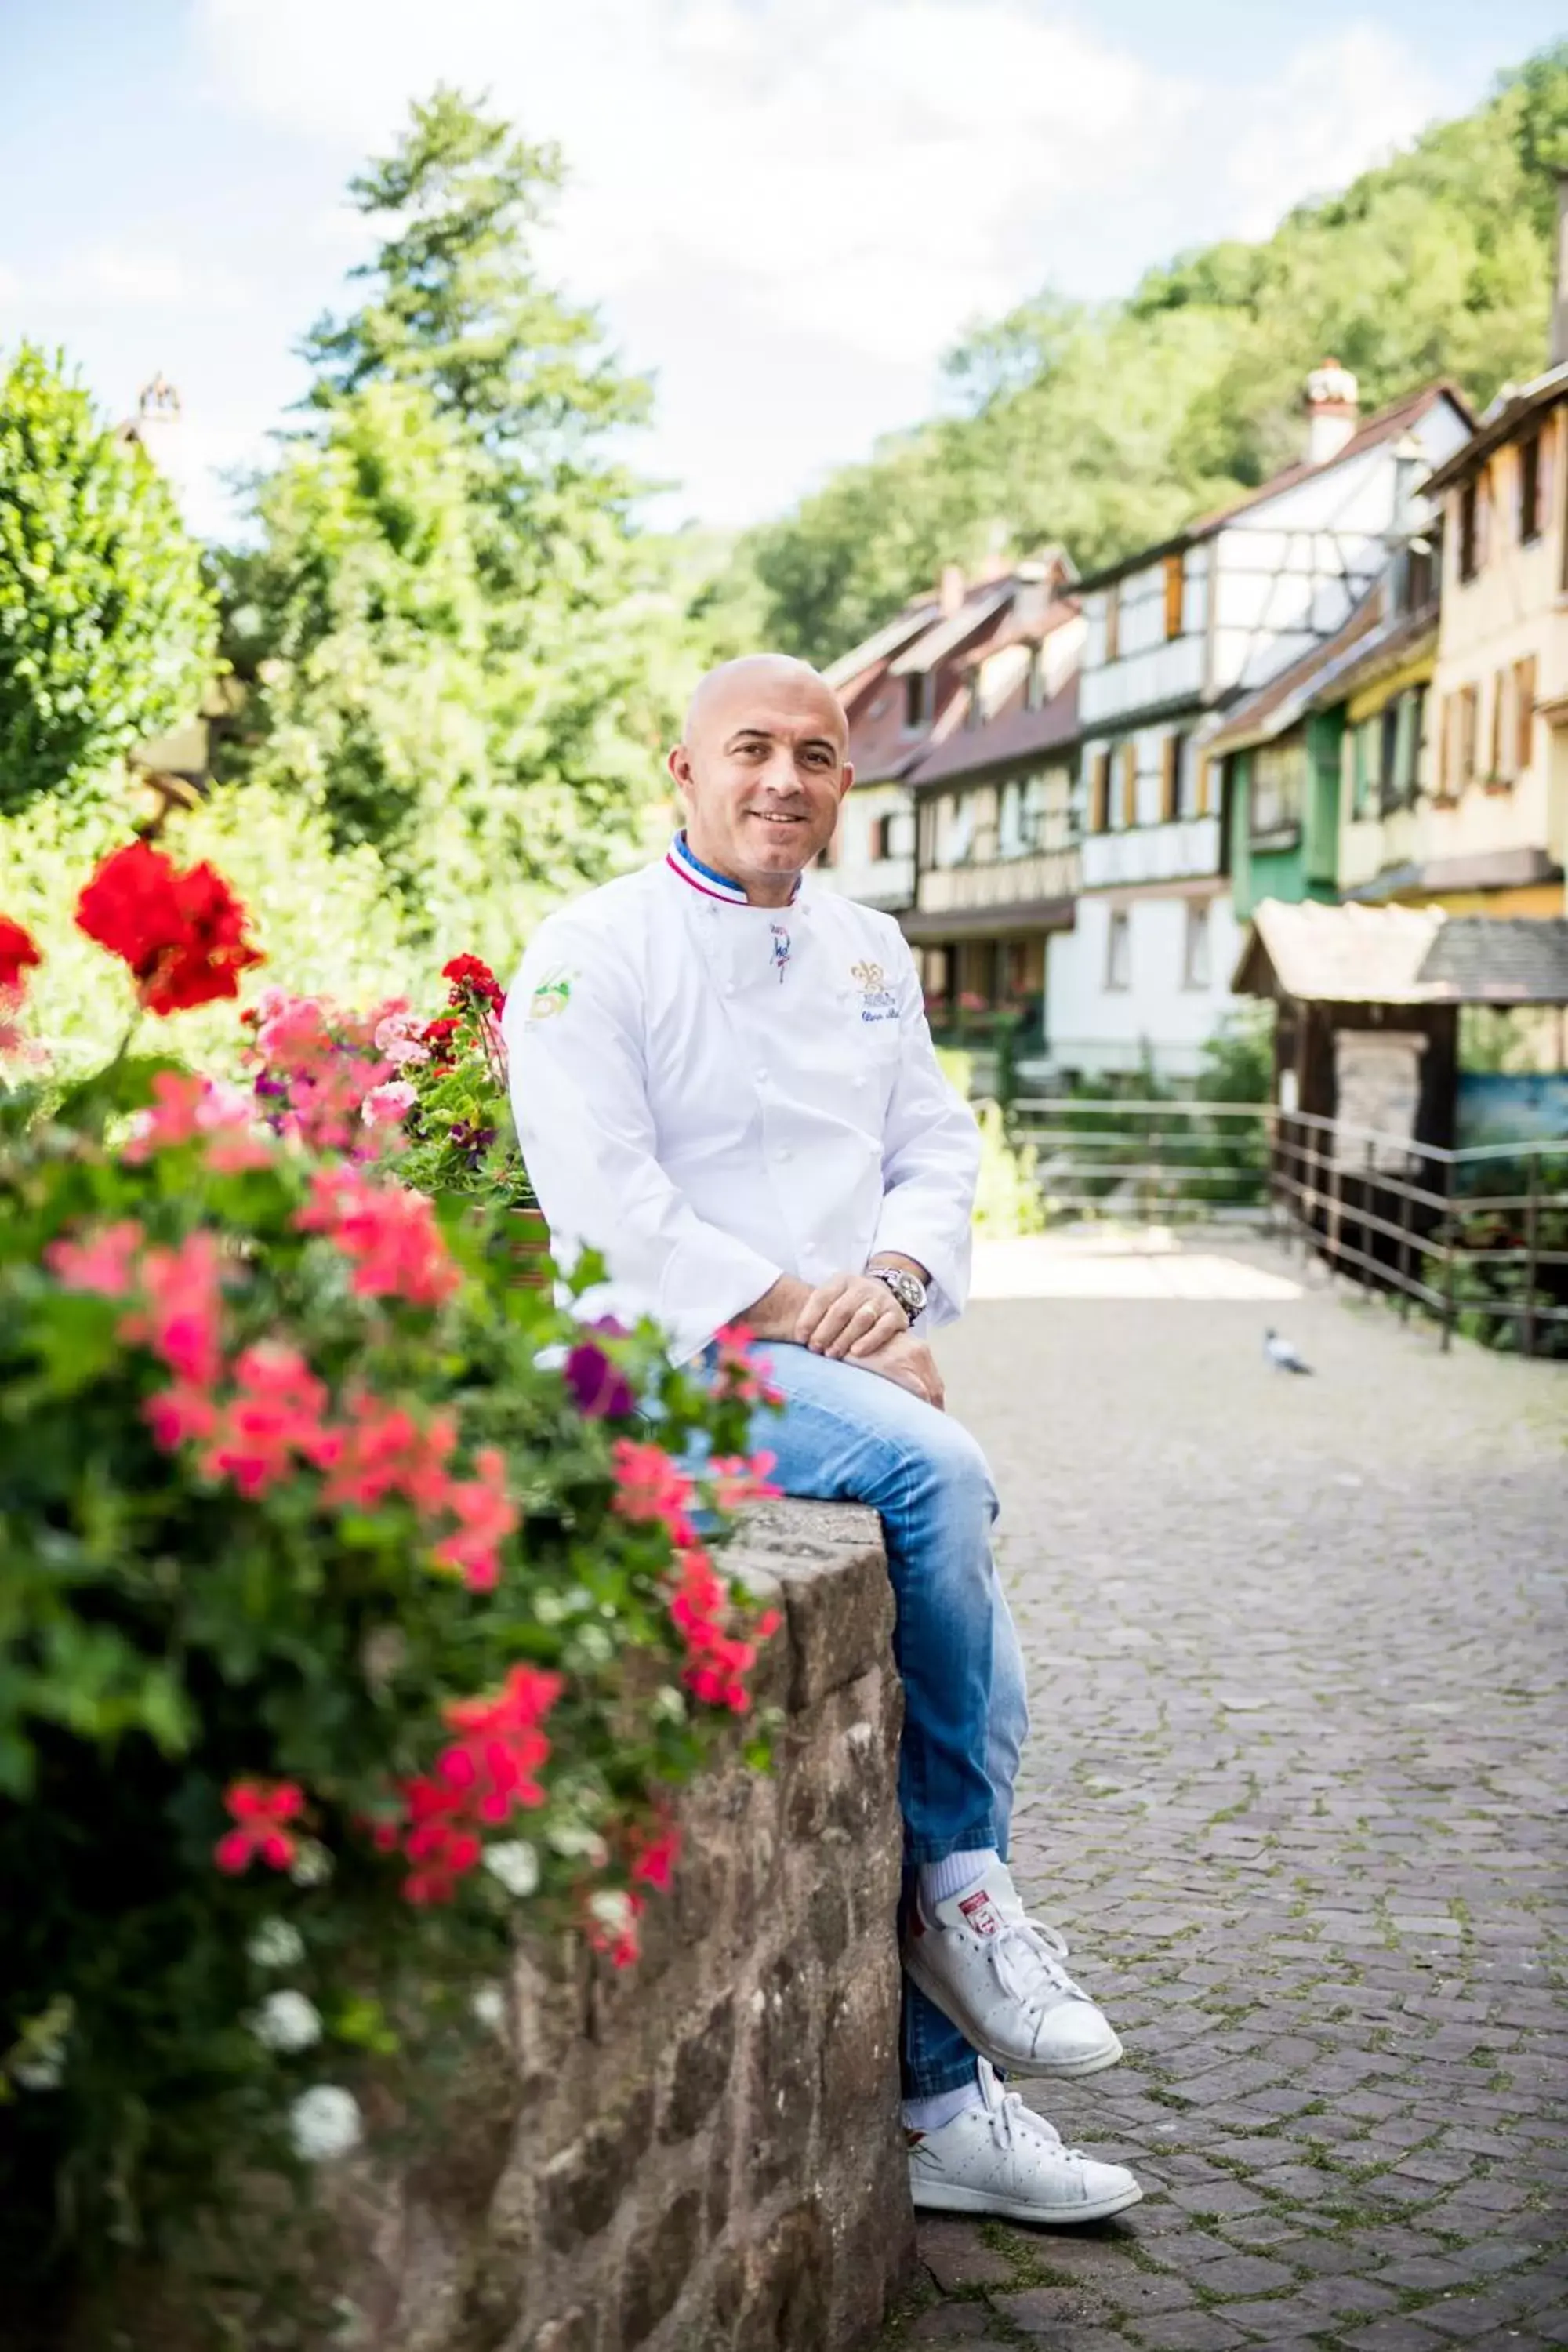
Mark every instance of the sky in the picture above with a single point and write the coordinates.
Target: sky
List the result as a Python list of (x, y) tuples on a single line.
[(785, 210)]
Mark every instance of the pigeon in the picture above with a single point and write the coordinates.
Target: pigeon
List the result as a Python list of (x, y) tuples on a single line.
[(1280, 1352)]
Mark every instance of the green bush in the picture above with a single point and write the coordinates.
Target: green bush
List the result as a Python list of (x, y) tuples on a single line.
[(108, 633)]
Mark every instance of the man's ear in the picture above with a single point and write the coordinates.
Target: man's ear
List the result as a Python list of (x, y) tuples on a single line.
[(849, 780), (679, 764)]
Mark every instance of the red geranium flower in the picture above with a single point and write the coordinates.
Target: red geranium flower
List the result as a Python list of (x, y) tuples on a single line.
[(18, 950), (470, 975), (183, 934)]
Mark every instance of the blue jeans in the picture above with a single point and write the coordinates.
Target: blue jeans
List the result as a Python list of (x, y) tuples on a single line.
[(848, 1435)]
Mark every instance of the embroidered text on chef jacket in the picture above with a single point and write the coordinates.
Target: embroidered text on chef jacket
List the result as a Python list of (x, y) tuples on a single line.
[(713, 1094)]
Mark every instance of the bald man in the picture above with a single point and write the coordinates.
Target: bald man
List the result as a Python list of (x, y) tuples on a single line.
[(724, 1083)]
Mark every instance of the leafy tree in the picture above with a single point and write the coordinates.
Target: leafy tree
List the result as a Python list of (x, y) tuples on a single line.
[(107, 630), (1107, 428), (456, 635)]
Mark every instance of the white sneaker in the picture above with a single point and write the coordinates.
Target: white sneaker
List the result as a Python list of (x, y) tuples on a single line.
[(1003, 2158), (999, 1977)]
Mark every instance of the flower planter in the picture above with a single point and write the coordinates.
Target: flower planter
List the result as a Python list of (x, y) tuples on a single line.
[(529, 1250)]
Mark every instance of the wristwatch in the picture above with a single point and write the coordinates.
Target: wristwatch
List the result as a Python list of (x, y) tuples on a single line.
[(907, 1288)]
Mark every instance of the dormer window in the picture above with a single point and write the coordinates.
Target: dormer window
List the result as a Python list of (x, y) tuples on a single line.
[(1035, 685), (919, 696)]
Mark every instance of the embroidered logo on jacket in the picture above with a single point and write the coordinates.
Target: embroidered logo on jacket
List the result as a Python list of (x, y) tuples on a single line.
[(780, 947), (551, 996), (877, 1001)]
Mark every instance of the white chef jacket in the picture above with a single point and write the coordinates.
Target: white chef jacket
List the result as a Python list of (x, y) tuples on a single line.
[(713, 1094)]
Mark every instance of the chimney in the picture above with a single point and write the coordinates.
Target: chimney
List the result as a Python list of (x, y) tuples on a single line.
[(950, 590), (1559, 346), (1033, 594), (1334, 406)]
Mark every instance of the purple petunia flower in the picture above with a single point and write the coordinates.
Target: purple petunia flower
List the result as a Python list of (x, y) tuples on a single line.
[(601, 1389)]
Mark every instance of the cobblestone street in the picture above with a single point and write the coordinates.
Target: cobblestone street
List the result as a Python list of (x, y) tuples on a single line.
[(1297, 1794)]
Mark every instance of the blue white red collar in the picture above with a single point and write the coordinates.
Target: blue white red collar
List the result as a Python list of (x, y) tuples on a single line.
[(682, 861)]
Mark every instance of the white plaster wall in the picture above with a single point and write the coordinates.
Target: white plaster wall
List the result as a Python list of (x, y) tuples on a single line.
[(1283, 574), (1100, 1030), (856, 871)]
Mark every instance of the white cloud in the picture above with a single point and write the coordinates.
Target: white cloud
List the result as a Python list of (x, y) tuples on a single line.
[(1341, 106), (790, 207), (150, 279), (874, 171)]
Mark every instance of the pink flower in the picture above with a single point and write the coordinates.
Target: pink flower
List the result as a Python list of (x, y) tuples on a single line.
[(184, 1108), (485, 1519), (398, 1039), (386, 1105), (178, 1415), (739, 1373), (180, 1317), (273, 1419), (654, 1861), (651, 1487), (384, 1451), (389, 1233), (262, 1809), (737, 1481), (102, 1263)]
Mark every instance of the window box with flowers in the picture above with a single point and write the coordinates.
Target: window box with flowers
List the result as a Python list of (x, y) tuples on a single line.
[(355, 1619)]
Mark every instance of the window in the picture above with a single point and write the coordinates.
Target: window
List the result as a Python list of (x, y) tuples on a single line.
[(975, 706), (1417, 699), (1279, 784), (884, 834), (1010, 840), (1170, 777), (1035, 686), (1113, 621), (1388, 754), (1099, 791), (1523, 713), (1530, 487), (1468, 531), (1200, 784), (1499, 746), (1367, 767), (1175, 583), (1468, 721), (918, 701), (1195, 961), (1118, 951), (1126, 761), (1402, 772), (1420, 583), (928, 838)]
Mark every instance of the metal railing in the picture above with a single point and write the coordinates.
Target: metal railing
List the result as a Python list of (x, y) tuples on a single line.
[(1476, 1237), (1126, 1156)]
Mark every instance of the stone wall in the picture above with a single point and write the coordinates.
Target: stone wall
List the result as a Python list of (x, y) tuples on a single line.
[(702, 2154)]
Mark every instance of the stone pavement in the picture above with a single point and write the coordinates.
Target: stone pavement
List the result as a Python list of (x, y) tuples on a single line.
[(1297, 1791)]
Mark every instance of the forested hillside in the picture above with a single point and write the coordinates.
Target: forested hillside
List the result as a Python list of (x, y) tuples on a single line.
[(1106, 428)]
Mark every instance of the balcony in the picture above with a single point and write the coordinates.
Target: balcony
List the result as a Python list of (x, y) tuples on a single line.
[(1010, 886), (1151, 853)]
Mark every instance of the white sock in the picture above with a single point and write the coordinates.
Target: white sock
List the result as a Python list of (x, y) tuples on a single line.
[(930, 2114), (955, 1875)]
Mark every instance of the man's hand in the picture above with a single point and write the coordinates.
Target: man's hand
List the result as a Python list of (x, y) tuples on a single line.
[(910, 1364), (850, 1315)]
